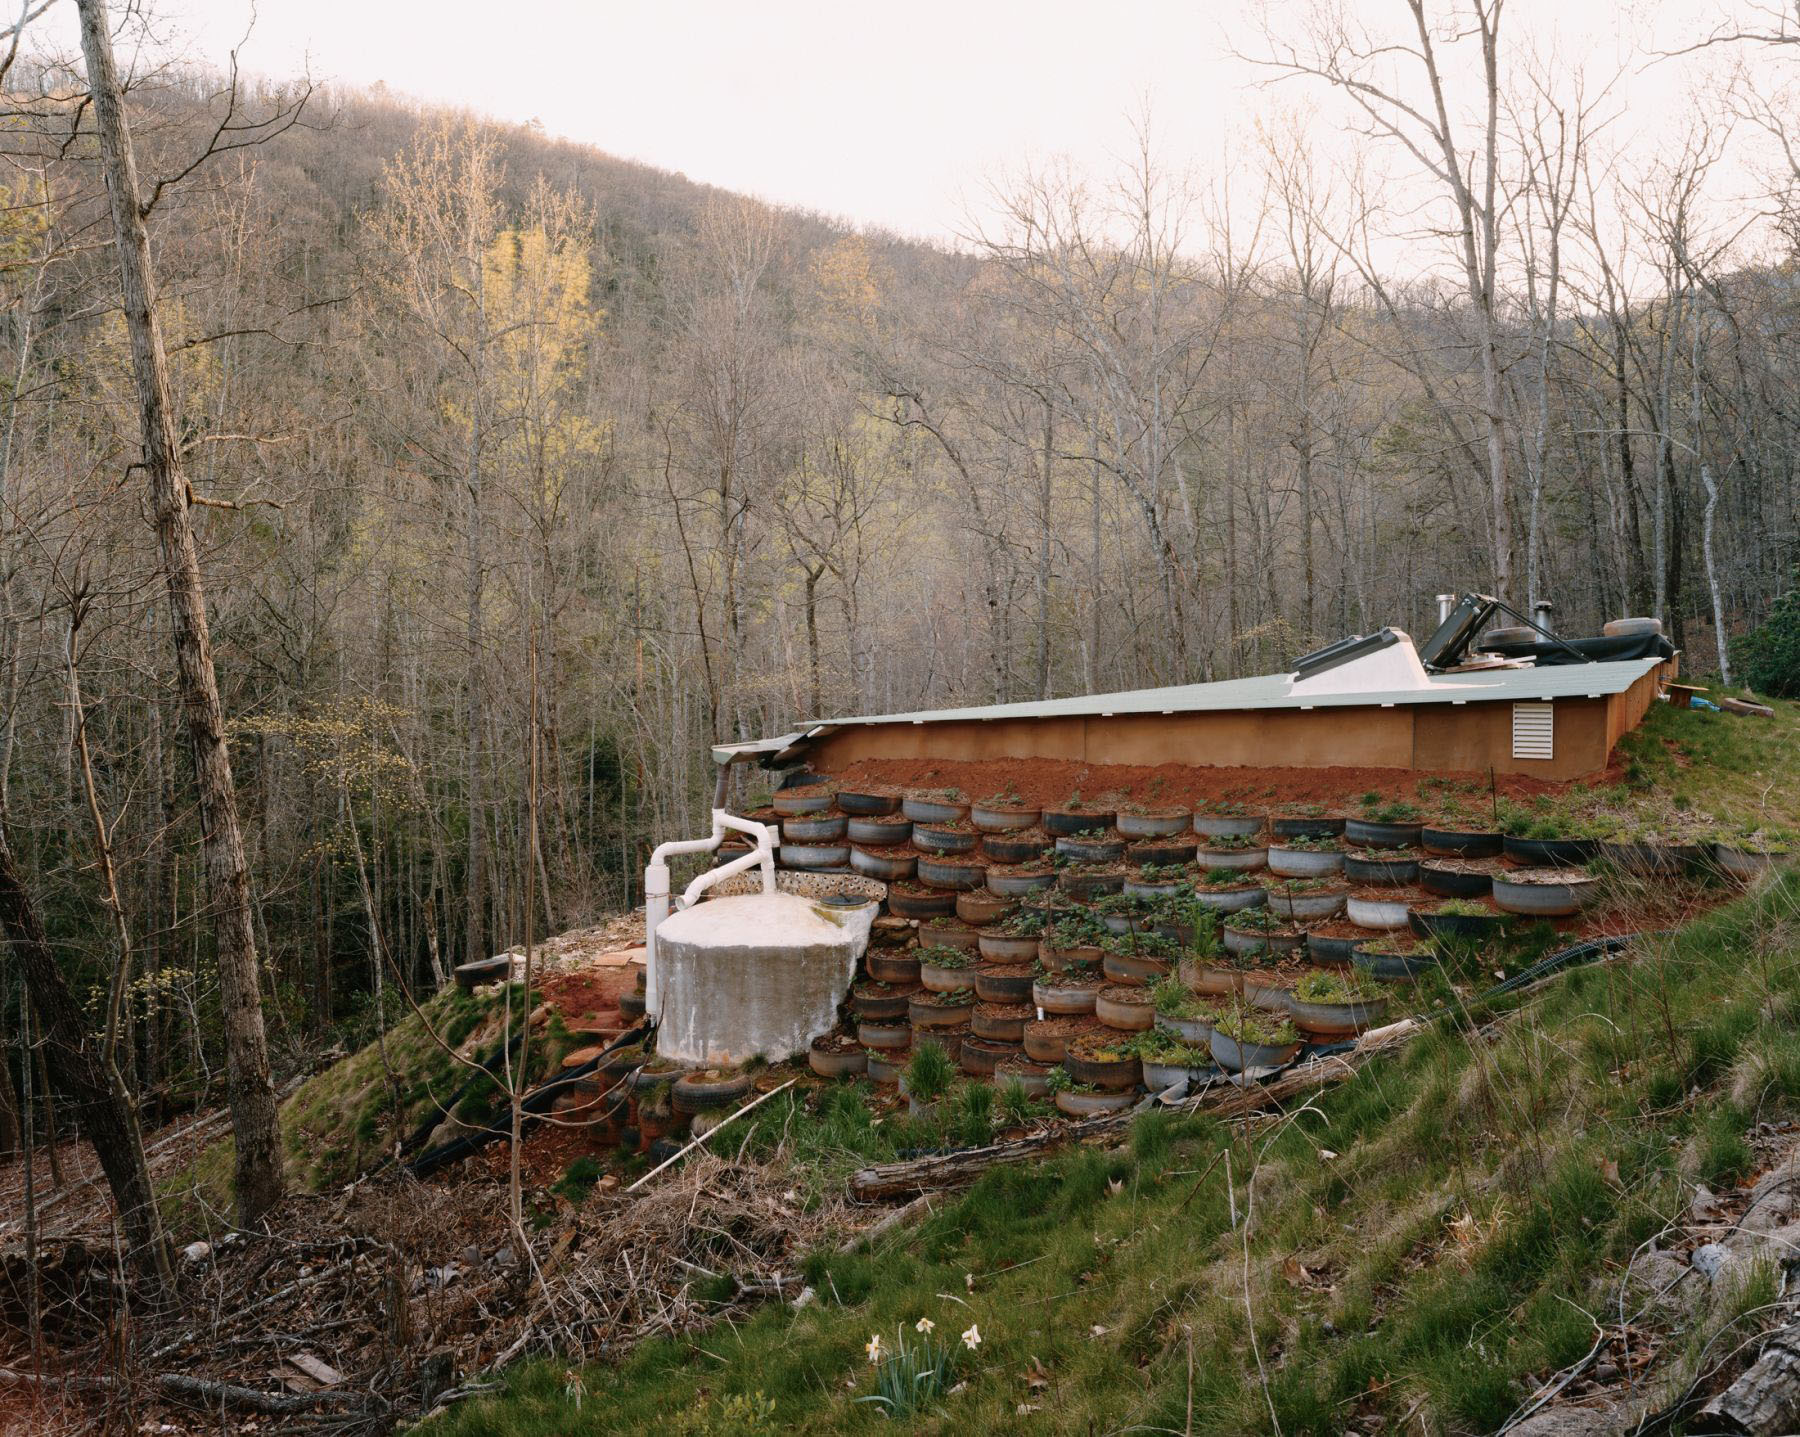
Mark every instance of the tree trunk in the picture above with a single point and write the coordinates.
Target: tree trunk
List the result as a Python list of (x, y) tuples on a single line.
[(814, 686), (1765, 1401), (1640, 599), (475, 880), (9, 1108), (253, 1113), (74, 1065), (1043, 565)]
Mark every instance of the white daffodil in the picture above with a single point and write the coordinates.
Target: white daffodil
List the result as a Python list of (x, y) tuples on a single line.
[(972, 1338), (873, 1348), (924, 1324)]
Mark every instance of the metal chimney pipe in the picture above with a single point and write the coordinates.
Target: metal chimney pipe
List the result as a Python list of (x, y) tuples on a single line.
[(1540, 612), (1445, 603)]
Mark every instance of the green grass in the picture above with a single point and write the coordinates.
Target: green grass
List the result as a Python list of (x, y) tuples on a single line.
[(1684, 775), (345, 1120), (1695, 770), (1481, 1198)]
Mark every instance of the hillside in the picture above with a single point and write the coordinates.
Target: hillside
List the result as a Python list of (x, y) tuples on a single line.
[(1430, 1243), (400, 512), (1558, 1176)]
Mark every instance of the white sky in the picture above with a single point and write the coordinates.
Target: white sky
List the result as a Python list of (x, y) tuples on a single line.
[(894, 115)]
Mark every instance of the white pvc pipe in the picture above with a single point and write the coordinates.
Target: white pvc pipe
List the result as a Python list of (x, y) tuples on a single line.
[(656, 882), (763, 853)]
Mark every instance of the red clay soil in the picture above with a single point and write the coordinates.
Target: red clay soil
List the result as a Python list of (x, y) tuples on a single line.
[(582, 991), (544, 1156), (1050, 781)]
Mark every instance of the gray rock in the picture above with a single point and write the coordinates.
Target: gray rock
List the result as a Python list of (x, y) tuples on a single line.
[(1571, 1421), (1768, 1213), (1783, 1178), (1712, 1260), (1779, 1244), (1659, 1277)]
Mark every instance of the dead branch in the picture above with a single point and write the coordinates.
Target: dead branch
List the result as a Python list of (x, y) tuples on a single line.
[(947, 1170)]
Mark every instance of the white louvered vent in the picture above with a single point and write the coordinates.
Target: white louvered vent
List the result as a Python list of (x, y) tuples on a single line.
[(1534, 731)]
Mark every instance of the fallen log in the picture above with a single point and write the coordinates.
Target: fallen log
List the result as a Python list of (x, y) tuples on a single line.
[(912, 1176), (193, 1389), (919, 1207), (1765, 1401)]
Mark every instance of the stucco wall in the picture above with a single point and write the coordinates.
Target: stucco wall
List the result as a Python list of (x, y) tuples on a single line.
[(1471, 737)]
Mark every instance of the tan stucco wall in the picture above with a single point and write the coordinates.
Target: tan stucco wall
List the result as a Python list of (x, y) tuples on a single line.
[(1471, 737)]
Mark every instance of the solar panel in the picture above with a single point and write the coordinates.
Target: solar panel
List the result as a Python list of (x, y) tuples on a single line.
[(1454, 635), (1342, 652)]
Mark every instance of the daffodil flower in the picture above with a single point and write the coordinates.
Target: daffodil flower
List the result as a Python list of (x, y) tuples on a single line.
[(873, 1348), (924, 1324), (972, 1338)]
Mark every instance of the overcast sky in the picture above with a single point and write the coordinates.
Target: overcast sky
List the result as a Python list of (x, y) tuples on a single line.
[(891, 115)]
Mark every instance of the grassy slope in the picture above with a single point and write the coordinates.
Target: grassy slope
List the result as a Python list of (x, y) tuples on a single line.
[(1481, 1197), (344, 1120), (1689, 774), (1736, 773)]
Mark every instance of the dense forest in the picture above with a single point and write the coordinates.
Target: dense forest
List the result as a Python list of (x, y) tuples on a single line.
[(503, 448)]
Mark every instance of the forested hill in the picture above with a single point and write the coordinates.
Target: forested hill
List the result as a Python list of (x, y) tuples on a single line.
[(464, 405)]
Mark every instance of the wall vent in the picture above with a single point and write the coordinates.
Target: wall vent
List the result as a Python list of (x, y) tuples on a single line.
[(1534, 730)]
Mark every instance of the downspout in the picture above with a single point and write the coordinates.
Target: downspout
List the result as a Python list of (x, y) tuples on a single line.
[(656, 882)]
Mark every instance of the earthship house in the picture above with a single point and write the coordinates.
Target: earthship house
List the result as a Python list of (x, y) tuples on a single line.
[(1521, 701)]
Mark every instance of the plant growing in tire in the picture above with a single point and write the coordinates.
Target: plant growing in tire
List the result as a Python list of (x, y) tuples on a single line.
[(1259, 923), (1137, 958), (1104, 1060), (710, 1088), (1182, 1011), (1336, 1004), (1245, 1038), (945, 1010), (943, 968), (929, 1074), (1071, 943), (1167, 1058), (1218, 880)]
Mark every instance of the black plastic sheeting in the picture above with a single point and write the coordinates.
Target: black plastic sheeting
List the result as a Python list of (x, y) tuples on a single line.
[(1603, 650)]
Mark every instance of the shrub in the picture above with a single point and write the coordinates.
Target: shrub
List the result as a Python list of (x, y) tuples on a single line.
[(1015, 1104), (975, 1114), (1768, 657)]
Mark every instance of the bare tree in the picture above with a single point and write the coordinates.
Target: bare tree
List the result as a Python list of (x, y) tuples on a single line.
[(103, 1111), (255, 1121), (1398, 86)]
